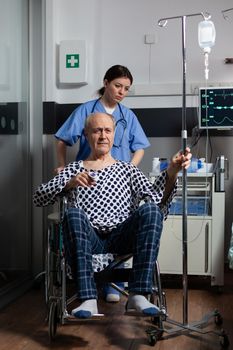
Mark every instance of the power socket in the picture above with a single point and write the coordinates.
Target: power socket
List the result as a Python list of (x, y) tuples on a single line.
[(149, 39)]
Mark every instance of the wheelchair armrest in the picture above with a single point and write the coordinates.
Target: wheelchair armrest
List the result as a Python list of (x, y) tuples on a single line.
[(63, 205)]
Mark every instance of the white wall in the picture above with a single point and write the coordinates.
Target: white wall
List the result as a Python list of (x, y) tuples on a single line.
[(114, 32), (13, 52)]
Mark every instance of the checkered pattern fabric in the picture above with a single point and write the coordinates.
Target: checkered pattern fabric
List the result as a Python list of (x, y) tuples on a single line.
[(139, 235), (117, 193)]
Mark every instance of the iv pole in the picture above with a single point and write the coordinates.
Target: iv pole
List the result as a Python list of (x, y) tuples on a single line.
[(162, 23), (197, 325), (224, 11)]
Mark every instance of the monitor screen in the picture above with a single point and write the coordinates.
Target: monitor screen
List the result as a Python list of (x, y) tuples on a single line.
[(216, 108)]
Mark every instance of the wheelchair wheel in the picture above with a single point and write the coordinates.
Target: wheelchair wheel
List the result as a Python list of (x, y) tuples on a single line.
[(157, 332), (53, 320), (152, 340), (47, 280), (153, 335), (49, 271)]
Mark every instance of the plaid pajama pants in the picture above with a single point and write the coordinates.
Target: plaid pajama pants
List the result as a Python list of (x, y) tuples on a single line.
[(139, 235)]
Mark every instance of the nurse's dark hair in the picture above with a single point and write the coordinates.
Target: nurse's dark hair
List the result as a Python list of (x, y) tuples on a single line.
[(115, 72)]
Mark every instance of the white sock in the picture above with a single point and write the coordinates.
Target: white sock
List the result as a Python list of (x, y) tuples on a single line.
[(87, 309), (141, 304)]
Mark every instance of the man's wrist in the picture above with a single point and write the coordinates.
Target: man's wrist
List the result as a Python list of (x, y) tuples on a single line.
[(172, 175)]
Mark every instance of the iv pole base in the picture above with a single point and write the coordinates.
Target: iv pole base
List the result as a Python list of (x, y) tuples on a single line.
[(173, 328)]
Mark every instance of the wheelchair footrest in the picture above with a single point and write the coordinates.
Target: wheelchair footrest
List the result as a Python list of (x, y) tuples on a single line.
[(70, 317), (133, 312)]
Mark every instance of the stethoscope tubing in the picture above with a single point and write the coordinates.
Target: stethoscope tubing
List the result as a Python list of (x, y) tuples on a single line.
[(121, 112)]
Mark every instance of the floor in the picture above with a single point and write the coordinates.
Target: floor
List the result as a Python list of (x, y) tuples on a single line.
[(24, 326)]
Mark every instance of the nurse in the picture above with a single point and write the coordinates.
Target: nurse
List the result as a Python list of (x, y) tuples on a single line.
[(129, 139)]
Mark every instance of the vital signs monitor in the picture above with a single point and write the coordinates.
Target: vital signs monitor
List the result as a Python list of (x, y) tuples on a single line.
[(216, 108)]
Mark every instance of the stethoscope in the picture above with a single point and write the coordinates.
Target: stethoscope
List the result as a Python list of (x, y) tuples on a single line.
[(120, 122)]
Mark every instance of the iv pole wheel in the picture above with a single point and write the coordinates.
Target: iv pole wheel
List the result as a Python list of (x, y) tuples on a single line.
[(154, 335), (224, 340), (152, 339)]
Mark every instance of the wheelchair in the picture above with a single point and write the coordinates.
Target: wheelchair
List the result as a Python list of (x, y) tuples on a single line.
[(107, 269)]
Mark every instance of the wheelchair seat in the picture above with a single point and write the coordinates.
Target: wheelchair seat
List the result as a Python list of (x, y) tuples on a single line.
[(99, 261)]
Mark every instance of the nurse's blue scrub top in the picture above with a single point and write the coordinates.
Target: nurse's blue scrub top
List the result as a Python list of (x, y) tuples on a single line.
[(127, 139)]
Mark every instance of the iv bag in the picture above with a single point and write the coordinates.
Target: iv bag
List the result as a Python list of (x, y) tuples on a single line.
[(206, 35)]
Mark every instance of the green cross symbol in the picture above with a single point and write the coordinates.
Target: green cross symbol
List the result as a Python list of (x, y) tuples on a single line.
[(72, 61)]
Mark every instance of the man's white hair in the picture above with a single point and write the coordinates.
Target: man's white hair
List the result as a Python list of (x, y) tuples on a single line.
[(90, 116)]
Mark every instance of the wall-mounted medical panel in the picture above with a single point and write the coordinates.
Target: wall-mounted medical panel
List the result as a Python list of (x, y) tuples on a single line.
[(72, 62)]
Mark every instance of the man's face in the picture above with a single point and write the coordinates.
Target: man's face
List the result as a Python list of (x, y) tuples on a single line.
[(100, 134)]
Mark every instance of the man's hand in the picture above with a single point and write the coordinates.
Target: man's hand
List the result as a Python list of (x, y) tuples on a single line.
[(82, 179), (57, 170), (179, 161)]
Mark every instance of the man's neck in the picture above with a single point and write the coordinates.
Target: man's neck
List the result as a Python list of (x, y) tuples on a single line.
[(98, 162)]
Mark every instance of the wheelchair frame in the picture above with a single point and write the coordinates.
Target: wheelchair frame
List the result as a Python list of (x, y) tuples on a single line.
[(57, 300), (56, 283)]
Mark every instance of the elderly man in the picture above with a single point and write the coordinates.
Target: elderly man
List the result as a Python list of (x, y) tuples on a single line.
[(104, 214)]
